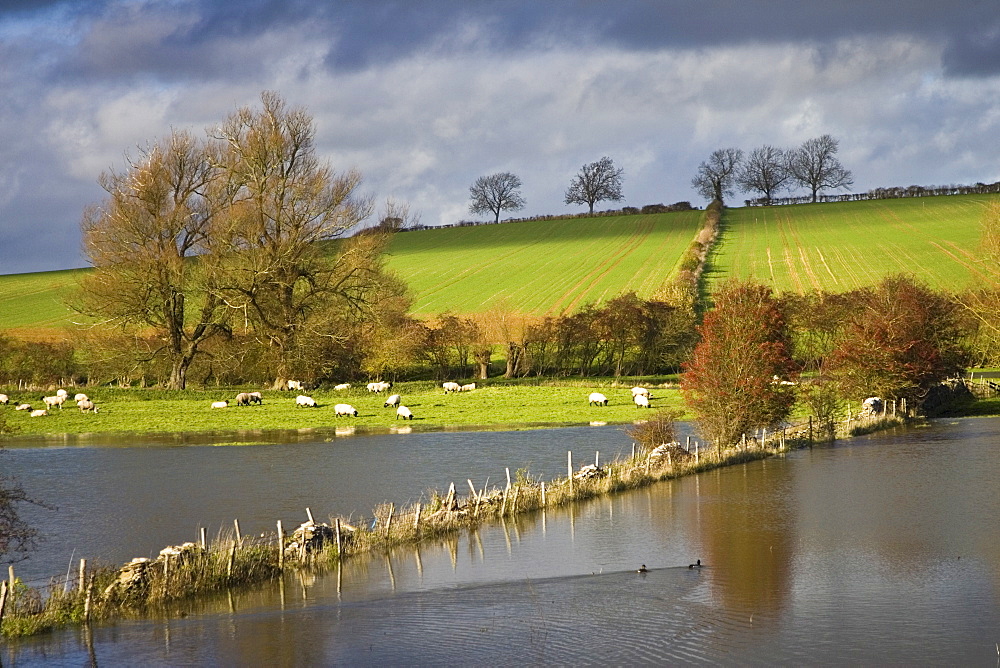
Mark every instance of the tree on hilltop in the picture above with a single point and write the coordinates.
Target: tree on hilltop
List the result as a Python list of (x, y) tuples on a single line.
[(596, 182), (495, 193), (765, 171), (716, 177), (814, 166)]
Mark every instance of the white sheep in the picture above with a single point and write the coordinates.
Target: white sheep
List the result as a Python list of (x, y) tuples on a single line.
[(22, 407), (256, 398), (294, 385), (57, 400), (86, 405), (4, 399), (640, 391), (62, 393), (404, 412), (598, 398), (342, 386), (242, 399), (80, 397), (303, 400), (379, 387), (345, 409), (468, 388), (392, 401), (39, 412), (220, 404), (451, 387), (641, 401)]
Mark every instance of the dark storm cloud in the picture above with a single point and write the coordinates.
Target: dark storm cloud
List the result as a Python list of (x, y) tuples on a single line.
[(424, 96)]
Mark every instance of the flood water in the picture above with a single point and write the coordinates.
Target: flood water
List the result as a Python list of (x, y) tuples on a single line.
[(879, 550)]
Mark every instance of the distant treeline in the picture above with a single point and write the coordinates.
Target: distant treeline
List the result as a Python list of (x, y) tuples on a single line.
[(897, 192), (624, 211)]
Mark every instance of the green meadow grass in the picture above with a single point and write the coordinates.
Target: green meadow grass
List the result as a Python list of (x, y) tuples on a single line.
[(841, 246), (502, 406), (37, 300), (544, 267)]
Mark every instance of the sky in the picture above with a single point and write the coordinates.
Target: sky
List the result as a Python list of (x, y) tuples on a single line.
[(422, 97)]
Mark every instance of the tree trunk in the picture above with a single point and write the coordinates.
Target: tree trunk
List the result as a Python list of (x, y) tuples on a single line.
[(178, 372)]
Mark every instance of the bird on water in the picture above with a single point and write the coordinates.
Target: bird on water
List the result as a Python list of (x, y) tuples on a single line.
[(642, 569), (697, 564)]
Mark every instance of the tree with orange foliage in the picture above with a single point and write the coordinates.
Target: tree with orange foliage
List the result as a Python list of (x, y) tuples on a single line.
[(730, 381), (903, 339)]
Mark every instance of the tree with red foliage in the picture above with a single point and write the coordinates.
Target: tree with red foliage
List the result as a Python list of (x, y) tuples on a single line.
[(903, 339), (730, 381)]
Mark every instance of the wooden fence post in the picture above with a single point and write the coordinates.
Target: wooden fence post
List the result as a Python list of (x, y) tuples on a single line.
[(569, 470), (3, 599), (810, 428), (281, 547), (236, 525), (204, 540), (388, 521), (82, 578), (309, 514), (543, 492), (89, 599), (340, 544), (416, 517)]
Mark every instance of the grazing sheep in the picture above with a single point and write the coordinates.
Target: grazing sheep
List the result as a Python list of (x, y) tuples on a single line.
[(641, 401), (80, 397), (345, 409), (62, 393), (640, 392), (22, 407), (598, 398), (451, 387), (4, 399), (39, 412), (256, 398), (404, 412), (220, 404), (242, 399), (872, 406), (467, 388), (303, 400), (342, 386), (86, 405), (393, 400), (57, 400), (379, 387), (295, 385)]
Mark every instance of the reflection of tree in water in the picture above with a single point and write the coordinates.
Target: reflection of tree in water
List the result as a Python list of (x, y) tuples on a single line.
[(746, 536), (17, 537)]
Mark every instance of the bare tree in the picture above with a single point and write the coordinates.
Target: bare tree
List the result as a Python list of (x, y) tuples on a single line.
[(495, 193), (141, 241), (814, 165), (596, 182), (716, 176), (276, 270), (765, 171)]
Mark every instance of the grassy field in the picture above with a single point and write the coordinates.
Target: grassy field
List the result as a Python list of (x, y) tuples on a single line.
[(556, 266), (32, 302), (841, 246), (543, 267), (502, 406)]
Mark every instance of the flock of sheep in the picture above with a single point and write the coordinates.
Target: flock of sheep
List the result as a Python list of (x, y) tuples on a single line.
[(640, 396), (83, 402)]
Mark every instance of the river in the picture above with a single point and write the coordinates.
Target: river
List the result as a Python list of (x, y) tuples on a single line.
[(882, 549)]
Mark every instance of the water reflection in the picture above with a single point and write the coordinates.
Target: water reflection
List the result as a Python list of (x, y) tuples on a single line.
[(881, 551)]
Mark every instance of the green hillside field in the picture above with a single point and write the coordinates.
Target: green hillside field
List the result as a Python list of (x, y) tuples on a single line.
[(840, 246), (548, 267), (35, 303), (544, 267)]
